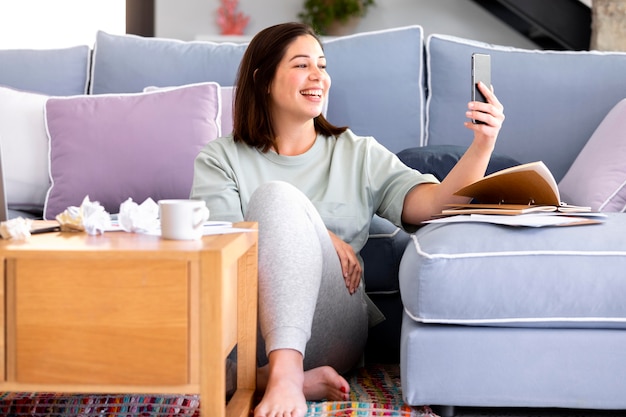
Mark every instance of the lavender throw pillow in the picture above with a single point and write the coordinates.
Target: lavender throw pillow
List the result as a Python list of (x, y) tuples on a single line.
[(597, 178), (226, 106), (115, 147)]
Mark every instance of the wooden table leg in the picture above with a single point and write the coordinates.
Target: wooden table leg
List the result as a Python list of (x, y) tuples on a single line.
[(216, 299), (241, 404), (212, 377)]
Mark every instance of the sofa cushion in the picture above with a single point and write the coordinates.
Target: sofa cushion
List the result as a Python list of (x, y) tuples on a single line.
[(597, 178), (486, 274), (564, 372), (61, 72), (440, 159), (129, 63), (553, 100), (114, 147), (24, 146), (377, 85)]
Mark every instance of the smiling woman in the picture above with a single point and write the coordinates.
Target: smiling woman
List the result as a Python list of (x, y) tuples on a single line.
[(56, 24)]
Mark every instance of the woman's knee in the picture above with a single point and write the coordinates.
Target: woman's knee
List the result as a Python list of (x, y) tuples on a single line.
[(276, 198), (275, 192)]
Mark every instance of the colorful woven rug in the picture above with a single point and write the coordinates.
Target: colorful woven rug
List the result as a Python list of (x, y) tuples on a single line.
[(90, 405), (359, 409), (375, 391)]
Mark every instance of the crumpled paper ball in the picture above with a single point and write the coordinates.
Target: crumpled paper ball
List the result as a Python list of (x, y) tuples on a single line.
[(90, 217), (139, 218), (16, 229)]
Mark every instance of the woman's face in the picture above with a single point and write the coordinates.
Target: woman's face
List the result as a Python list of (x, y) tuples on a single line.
[(300, 84)]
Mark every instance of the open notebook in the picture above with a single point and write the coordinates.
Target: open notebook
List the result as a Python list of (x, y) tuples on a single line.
[(6, 213)]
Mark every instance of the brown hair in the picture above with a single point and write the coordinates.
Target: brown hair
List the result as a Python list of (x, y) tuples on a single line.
[(252, 122)]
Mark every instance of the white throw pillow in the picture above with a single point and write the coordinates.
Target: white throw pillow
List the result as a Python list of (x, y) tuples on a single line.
[(24, 145)]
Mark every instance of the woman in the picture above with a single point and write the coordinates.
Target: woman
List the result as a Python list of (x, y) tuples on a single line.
[(313, 189)]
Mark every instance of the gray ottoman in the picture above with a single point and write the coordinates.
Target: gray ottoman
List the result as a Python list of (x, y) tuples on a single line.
[(515, 317)]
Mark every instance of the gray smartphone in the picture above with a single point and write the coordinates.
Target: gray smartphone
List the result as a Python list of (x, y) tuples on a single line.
[(481, 71)]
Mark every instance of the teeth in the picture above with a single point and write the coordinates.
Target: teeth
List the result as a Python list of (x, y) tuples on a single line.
[(317, 93)]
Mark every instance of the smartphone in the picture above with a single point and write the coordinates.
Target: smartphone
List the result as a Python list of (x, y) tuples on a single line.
[(481, 71)]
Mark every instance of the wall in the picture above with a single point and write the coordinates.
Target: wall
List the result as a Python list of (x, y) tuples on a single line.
[(608, 26), (43, 24), (188, 19)]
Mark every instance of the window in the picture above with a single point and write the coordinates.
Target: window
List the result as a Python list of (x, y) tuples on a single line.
[(59, 23)]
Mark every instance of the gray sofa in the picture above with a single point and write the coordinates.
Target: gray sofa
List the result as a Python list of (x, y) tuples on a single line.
[(503, 317), (410, 93)]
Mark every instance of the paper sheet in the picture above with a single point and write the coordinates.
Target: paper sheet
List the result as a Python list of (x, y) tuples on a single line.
[(211, 227), (526, 220)]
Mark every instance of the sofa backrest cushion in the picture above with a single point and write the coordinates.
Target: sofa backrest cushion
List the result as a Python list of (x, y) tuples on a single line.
[(112, 147), (377, 77), (129, 63), (440, 159), (377, 85), (61, 72), (553, 101)]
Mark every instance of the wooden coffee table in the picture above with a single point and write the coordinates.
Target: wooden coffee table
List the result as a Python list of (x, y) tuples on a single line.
[(130, 313)]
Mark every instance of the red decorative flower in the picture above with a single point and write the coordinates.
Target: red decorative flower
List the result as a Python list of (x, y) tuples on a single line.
[(230, 20)]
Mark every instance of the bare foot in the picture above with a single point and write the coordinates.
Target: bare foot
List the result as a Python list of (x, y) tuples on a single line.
[(325, 383), (284, 386), (287, 387), (319, 383)]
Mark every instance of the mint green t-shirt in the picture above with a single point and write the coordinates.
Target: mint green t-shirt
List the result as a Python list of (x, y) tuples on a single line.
[(347, 178)]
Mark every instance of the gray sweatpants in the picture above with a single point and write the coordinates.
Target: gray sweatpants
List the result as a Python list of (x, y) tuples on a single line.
[(303, 300)]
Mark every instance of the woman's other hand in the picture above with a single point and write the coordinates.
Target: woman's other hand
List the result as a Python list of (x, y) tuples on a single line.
[(350, 265)]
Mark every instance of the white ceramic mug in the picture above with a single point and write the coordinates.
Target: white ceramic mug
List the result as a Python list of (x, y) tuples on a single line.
[(182, 219)]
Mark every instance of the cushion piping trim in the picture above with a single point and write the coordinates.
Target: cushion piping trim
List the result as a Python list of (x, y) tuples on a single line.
[(612, 196), (385, 235), (504, 48), (426, 255), (517, 320)]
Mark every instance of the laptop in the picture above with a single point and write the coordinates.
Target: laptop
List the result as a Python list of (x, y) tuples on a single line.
[(7, 214)]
